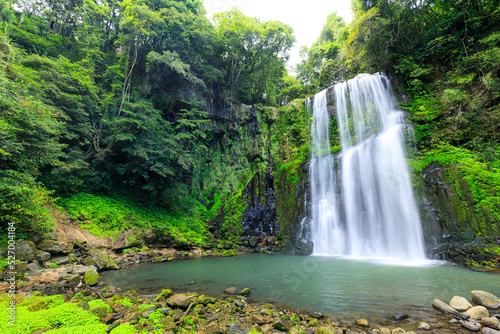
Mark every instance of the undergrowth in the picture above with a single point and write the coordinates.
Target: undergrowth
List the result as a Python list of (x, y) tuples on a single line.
[(106, 216)]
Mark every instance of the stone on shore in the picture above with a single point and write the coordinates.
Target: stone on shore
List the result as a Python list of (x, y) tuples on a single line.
[(478, 312), (491, 322), (179, 300), (423, 325), (487, 330), (100, 261), (361, 322), (25, 250), (91, 277), (485, 299), (460, 304), (54, 247), (440, 305), (260, 319)]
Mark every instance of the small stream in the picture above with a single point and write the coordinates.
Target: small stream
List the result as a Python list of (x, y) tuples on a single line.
[(336, 286)]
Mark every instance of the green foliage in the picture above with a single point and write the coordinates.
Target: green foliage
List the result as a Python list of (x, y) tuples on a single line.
[(323, 63), (253, 54), (36, 313), (99, 303), (482, 182), (108, 216)]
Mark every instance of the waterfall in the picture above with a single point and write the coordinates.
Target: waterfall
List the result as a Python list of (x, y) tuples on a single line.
[(362, 199)]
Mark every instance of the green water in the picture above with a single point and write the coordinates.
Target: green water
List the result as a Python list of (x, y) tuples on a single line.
[(331, 285)]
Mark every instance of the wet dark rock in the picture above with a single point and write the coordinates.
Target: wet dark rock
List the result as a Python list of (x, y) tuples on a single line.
[(401, 316), (260, 216), (112, 326), (304, 247), (317, 315)]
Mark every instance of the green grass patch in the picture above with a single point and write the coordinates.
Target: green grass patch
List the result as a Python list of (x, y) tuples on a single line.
[(36, 313), (106, 216)]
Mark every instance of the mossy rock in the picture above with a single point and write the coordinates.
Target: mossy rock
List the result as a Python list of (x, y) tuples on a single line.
[(85, 305), (91, 277), (229, 252), (100, 261), (54, 247), (245, 292), (165, 293), (100, 311)]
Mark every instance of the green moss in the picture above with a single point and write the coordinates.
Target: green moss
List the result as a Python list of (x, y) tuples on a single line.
[(110, 216), (91, 277), (124, 329), (67, 316)]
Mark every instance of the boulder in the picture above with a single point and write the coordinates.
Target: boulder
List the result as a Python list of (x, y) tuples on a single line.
[(472, 326), (440, 305), (485, 299), (128, 239), (179, 300), (91, 277), (80, 270), (100, 261), (132, 238), (478, 312), (460, 304), (304, 247), (491, 322), (245, 292), (54, 247), (25, 250), (231, 291), (34, 267), (40, 255), (61, 260), (487, 330)]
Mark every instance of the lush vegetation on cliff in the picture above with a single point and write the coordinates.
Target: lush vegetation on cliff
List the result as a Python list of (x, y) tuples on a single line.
[(131, 101), (443, 57), (149, 106)]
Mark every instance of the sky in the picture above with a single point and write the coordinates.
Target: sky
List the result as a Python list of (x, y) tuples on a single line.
[(306, 17)]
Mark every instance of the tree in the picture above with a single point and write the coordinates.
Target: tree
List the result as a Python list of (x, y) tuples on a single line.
[(250, 49)]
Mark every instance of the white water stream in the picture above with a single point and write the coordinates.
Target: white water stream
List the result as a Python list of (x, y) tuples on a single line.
[(365, 207)]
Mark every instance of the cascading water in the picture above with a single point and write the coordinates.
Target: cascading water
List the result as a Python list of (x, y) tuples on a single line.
[(366, 208)]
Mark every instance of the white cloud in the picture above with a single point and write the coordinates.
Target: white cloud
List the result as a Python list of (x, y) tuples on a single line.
[(306, 17)]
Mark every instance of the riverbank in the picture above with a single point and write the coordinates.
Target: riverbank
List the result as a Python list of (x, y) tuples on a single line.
[(109, 310)]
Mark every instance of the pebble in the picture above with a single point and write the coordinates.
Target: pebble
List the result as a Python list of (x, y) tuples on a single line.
[(423, 325)]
